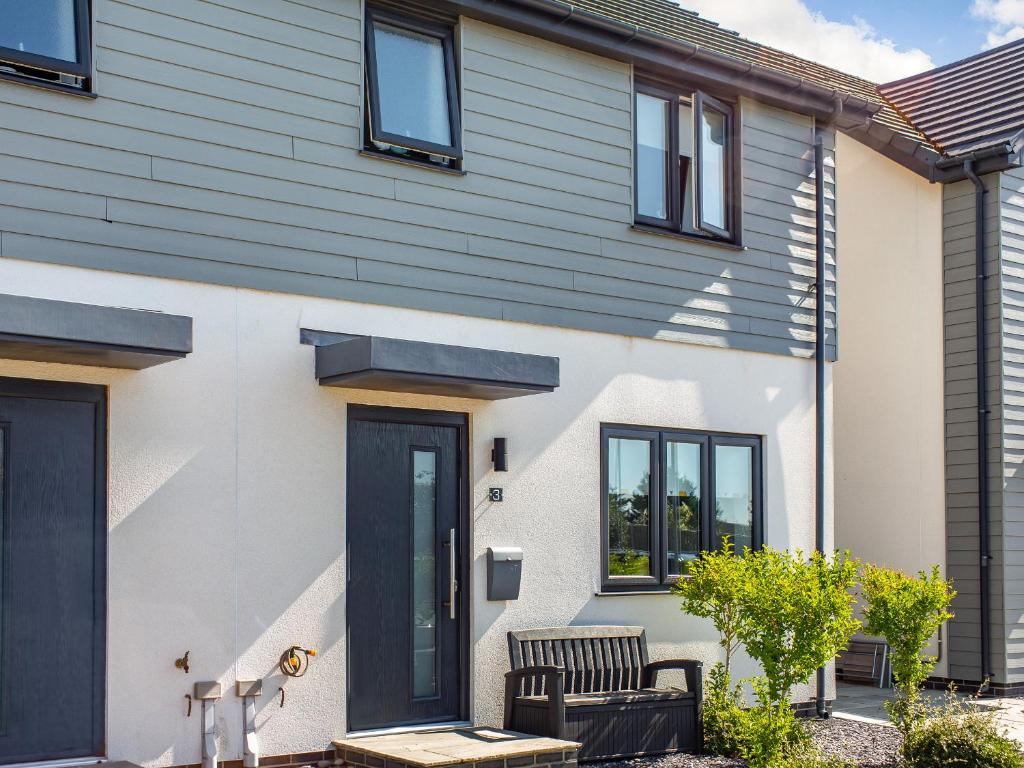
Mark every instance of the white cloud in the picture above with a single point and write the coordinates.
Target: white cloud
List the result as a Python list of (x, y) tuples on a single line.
[(856, 48), (1005, 18)]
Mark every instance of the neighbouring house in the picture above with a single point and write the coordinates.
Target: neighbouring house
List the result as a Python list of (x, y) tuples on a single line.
[(307, 307), (931, 233)]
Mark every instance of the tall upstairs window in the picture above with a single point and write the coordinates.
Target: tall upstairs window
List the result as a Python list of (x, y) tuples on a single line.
[(46, 41), (412, 88), (687, 163)]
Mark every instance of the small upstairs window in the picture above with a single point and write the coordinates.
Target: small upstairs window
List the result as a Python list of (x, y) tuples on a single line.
[(686, 164), (412, 89), (46, 41)]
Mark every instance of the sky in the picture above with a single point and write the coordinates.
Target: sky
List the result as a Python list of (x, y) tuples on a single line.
[(881, 40)]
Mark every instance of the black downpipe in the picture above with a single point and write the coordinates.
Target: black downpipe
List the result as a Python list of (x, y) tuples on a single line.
[(982, 384), (819, 376)]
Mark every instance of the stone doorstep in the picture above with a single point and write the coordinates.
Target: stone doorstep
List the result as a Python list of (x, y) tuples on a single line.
[(481, 747)]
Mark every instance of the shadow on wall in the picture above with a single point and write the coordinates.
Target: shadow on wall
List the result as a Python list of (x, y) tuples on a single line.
[(558, 493)]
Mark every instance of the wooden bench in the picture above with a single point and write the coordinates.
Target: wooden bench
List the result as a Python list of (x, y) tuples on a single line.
[(595, 685), (865, 661)]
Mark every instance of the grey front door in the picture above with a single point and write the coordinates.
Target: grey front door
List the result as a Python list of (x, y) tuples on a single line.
[(404, 555), (52, 570)]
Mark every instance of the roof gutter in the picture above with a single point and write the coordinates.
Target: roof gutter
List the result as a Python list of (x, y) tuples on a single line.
[(926, 161), (564, 23), (979, 162)]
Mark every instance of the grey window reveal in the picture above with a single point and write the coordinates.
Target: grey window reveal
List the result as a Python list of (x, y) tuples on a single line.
[(669, 495), (46, 40), (411, 88), (686, 163)]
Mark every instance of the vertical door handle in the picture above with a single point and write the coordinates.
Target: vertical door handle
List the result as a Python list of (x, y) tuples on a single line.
[(453, 582)]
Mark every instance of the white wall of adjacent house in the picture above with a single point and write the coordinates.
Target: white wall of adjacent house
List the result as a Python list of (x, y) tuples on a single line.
[(227, 495), (889, 455)]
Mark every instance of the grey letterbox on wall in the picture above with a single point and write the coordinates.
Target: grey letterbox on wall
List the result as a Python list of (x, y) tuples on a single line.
[(504, 570)]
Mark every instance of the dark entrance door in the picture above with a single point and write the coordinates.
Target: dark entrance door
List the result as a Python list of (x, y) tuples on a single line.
[(404, 540), (52, 570)]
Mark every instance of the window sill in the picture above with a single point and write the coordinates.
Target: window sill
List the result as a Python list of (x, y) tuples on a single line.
[(13, 77), (411, 162), (632, 592), (650, 230)]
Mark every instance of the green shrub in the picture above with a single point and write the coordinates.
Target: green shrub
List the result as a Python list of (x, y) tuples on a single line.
[(792, 616), (907, 612), (796, 616), (711, 590), (725, 721), (959, 735)]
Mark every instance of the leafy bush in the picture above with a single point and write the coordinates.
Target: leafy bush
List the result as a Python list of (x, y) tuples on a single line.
[(725, 721), (711, 590), (796, 616), (959, 735), (907, 612), (792, 616)]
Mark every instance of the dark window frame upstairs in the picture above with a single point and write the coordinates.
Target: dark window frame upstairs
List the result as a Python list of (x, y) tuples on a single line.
[(702, 102), (442, 32), (81, 67), (661, 580), (732, 234)]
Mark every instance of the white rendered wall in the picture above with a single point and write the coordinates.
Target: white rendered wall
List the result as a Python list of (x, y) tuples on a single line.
[(889, 454), (227, 501)]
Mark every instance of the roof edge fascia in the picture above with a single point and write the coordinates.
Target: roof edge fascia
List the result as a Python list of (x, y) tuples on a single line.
[(561, 22)]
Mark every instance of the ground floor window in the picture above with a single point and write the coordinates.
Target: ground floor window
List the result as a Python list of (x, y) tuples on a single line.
[(668, 495)]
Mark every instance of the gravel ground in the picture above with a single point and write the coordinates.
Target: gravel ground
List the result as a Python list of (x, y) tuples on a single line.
[(865, 744)]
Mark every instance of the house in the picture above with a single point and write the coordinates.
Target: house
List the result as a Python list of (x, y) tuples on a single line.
[(307, 305), (941, 234)]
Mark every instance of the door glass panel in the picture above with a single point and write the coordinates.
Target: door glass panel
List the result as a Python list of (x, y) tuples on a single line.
[(734, 495), (412, 85), (42, 27), (712, 168), (651, 156), (629, 507), (682, 503), (424, 574)]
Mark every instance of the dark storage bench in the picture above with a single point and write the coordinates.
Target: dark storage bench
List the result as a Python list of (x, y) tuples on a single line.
[(595, 685)]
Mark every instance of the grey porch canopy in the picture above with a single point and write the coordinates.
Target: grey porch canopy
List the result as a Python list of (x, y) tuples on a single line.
[(84, 334), (396, 365)]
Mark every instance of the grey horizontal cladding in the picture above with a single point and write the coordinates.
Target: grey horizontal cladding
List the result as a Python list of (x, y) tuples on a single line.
[(224, 144), (84, 334), (961, 416), (398, 365), (1009, 197)]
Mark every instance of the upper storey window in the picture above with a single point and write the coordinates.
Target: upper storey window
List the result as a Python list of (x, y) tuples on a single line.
[(46, 40), (412, 89), (686, 163)]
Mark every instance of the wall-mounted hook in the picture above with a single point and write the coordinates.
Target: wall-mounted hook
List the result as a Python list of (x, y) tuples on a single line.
[(189, 697), (282, 697), (182, 663)]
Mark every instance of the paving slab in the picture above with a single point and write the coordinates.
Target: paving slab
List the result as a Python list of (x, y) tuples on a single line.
[(865, 703), (458, 746)]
